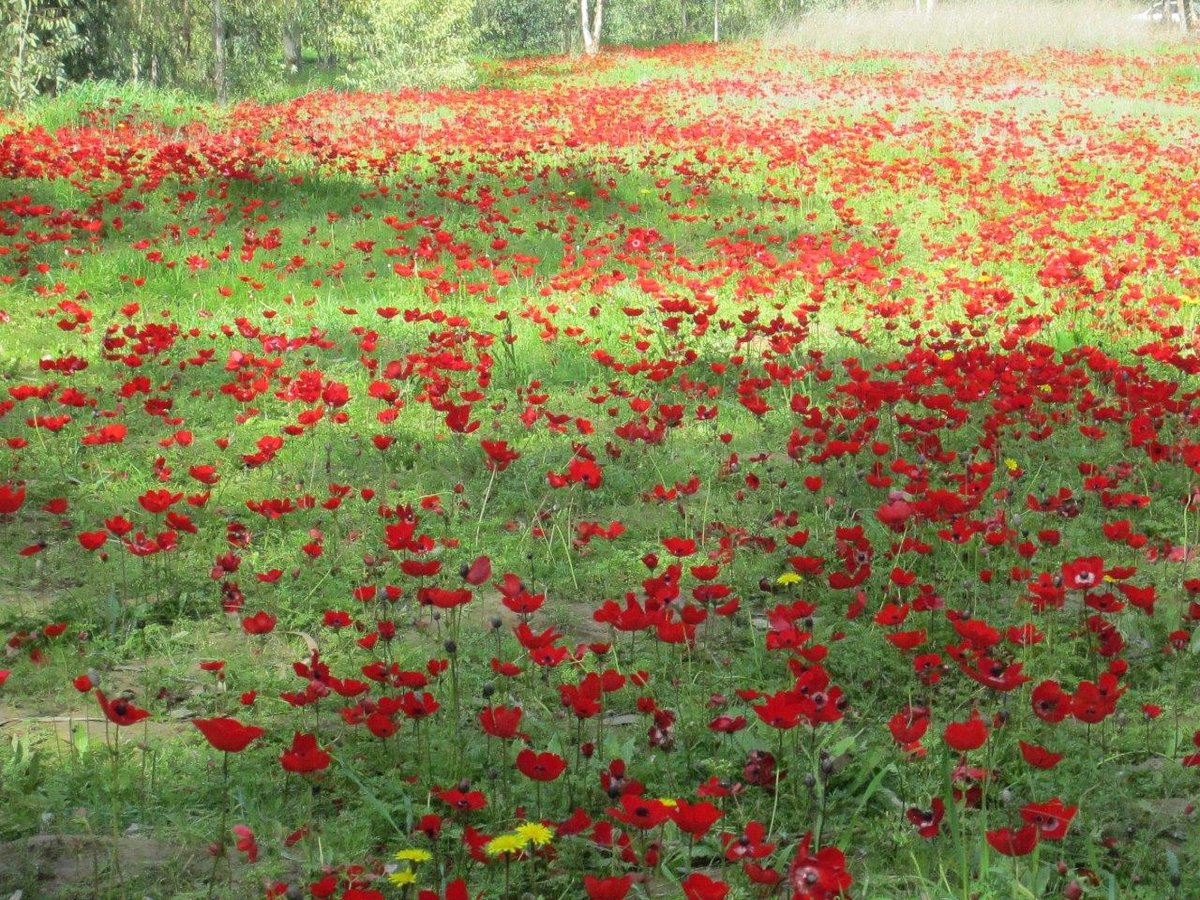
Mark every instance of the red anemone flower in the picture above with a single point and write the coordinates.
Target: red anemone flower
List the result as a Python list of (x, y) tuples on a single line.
[(699, 886), (968, 735), (1039, 757), (640, 812), (695, 819), (820, 875), (1050, 702), (1052, 818), (540, 766), (304, 755), (501, 721), (12, 498), (261, 622), (1083, 573), (928, 822), (120, 711), (246, 842), (228, 735), (1013, 843), (614, 888)]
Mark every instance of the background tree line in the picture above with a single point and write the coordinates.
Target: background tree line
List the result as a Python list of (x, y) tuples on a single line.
[(253, 47)]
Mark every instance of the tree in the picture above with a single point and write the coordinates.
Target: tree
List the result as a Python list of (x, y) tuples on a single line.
[(220, 79), (293, 43), (397, 43), (33, 47), (590, 26)]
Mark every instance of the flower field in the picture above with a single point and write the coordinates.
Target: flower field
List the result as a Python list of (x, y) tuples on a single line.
[(742, 472)]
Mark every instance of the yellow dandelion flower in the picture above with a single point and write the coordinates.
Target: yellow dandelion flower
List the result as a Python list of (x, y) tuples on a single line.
[(403, 877), (788, 578), (668, 802), (946, 356), (414, 855), (1011, 465), (535, 833), (505, 843)]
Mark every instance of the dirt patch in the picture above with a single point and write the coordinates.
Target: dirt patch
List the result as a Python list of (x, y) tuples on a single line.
[(50, 865)]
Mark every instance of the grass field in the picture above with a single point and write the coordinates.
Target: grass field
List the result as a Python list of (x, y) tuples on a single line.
[(766, 470)]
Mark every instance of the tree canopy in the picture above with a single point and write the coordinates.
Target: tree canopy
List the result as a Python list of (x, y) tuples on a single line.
[(254, 47)]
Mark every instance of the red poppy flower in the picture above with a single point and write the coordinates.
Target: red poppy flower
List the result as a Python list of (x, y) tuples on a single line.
[(747, 845), (1052, 818), (477, 572), (381, 725), (699, 886), (540, 766), (613, 888), (501, 721), (928, 822), (678, 546), (761, 874), (430, 825), (1050, 702), (304, 755), (462, 798), (120, 711), (968, 735), (694, 819), (819, 876), (781, 710), (640, 812), (261, 622), (726, 724), (228, 735), (455, 890), (418, 706), (1193, 759), (1013, 843), (92, 540), (499, 456), (12, 498), (909, 725), (1083, 573), (245, 842), (1039, 757)]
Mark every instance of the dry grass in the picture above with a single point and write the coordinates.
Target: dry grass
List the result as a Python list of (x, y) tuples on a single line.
[(1080, 25)]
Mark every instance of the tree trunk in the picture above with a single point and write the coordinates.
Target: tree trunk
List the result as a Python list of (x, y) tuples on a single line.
[(220, 82), (17, 82), (292, 45), (591, 35), (567, 26), (716, 21), (683, 19), (187, 30)]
